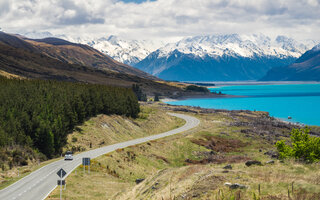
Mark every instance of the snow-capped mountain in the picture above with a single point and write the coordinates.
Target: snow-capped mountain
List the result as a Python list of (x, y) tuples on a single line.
[(237, 46), (199, 58), (37, 35), (222, 57), (126, 51), (305, 68)]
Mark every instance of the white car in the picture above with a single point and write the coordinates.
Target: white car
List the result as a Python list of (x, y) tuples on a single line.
[(68, 155)]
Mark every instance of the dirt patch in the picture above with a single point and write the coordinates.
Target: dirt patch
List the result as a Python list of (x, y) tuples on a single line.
[(219, 144), (219, 147), (160, 158)]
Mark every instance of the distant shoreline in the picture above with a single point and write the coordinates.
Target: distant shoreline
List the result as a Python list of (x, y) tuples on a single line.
[(216, 96), (204, 96), (230, 83), (283, 120)]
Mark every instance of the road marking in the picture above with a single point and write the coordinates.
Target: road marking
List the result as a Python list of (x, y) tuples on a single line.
[(191, 122)]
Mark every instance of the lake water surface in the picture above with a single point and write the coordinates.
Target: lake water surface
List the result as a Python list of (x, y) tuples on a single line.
[(299, 101)]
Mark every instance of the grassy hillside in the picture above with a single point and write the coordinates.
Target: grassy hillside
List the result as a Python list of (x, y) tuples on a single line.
[(56, 59), (190, 165), (109, 129), (84, 55), (101, 130)]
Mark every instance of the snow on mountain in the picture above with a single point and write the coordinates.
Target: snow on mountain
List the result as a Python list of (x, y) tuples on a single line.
[(222, 57), (126, 51), (37, 35), (237, 46), (305, 68), (316, 48), (233, 56)]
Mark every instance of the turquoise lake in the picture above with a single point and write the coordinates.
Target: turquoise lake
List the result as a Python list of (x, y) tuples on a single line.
[(299, 101)]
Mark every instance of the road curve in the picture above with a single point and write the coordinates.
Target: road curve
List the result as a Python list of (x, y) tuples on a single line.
[(40, 183)]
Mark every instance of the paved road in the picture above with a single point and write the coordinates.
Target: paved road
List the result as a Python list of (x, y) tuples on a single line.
[(40, 183)]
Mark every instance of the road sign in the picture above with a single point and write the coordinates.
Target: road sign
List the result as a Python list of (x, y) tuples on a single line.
[(61, 182), (85, 161), (61, 173)]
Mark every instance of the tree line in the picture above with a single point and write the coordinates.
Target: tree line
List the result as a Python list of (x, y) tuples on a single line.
[(40, 114)]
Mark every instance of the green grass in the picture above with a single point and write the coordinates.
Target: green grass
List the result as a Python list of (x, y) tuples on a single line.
[(23, 171)]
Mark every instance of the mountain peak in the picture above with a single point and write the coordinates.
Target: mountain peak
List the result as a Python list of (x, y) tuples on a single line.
[(316, 48), (237, 46), (282, 38), (37, 34), (113, 39), (222, 57)]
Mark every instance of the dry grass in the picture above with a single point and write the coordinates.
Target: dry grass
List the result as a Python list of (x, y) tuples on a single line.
[(9, 75), (167, 175), (105, 130), (175, 84), (100, 131)]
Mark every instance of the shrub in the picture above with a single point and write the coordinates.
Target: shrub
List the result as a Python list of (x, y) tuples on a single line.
[(303, 146), (74, 139), (196, 88), (23, 162), (156, 97)]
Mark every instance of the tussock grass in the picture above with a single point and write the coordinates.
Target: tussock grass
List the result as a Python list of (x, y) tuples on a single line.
[(162, 163), (105, 130)]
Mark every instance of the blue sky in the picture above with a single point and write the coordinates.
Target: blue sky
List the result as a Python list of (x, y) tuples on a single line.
[(162, 19)]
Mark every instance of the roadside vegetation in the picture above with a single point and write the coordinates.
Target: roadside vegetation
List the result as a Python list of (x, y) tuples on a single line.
[(36, 116), (99, 131), (196, 88), (207, 162), (109, 129), (303, 147)]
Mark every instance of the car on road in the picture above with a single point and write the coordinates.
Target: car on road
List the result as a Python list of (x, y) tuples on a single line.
[(68, 155)]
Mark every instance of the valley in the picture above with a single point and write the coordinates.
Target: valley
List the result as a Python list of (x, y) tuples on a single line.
[(191, 165), (161, 100)]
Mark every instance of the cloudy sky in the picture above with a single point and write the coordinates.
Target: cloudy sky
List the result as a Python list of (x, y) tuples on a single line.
[(162, 19)]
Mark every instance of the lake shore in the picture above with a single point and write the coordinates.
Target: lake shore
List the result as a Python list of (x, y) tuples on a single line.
[(204, 96), (234, 83), (290, 103)]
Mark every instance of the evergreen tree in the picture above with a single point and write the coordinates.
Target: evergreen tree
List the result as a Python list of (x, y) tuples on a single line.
[(138, 91), (156, 97), (40, 114)]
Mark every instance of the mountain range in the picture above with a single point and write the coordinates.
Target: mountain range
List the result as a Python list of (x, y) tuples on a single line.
[(305, 68), (222, 57), (231, 57), (58, 59), (129, 52)]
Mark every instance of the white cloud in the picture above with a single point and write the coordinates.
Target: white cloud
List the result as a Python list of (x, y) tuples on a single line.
[(163, 19)]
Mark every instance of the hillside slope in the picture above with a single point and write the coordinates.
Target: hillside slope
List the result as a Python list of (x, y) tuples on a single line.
[(306, 68), (55, 59), (191, 165), (73, 53)]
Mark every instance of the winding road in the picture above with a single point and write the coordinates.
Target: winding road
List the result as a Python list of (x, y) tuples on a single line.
[(40, 183)]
